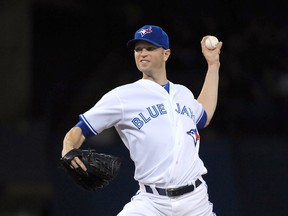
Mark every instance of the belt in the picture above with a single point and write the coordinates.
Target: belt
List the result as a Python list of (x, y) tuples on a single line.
[(172, 192)]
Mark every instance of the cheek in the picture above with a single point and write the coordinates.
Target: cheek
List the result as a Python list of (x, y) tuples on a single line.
[(136, 56)]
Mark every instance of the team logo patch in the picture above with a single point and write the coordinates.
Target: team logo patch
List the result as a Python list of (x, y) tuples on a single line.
[(145, 31), (194, 134)]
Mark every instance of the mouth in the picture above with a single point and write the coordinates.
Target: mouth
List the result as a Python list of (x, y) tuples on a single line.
[(144, 61)]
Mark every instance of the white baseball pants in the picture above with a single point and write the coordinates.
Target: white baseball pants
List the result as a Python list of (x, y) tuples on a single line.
[(195, 203)]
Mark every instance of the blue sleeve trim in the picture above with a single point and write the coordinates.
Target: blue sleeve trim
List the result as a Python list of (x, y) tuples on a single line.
[(202, 120), (86, 128)]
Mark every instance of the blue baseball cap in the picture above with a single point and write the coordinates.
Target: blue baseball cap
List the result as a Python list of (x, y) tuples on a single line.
[(152, 34)]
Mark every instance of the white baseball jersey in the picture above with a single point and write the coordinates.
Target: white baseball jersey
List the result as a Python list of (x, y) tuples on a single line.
[(158, 128)]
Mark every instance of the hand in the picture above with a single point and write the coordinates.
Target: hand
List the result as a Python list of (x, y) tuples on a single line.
[(76, 162), (212, 56), (102, 168), (73, 140)]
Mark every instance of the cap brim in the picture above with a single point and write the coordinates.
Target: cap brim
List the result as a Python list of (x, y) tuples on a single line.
[(131, 43)]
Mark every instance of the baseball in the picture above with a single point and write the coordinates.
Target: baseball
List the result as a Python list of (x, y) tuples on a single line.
[(211, 42)]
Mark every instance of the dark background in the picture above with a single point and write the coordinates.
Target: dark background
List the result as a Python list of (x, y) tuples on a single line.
[(59, 57)]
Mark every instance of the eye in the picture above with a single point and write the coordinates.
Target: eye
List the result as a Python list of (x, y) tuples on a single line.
[(148, 48), (151, 48), (138, 49)]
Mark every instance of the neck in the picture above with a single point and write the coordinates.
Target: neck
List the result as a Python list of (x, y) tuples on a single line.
[(159, 78), (159, 81)]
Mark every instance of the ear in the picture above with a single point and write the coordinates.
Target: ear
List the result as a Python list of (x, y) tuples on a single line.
[(166, 54)]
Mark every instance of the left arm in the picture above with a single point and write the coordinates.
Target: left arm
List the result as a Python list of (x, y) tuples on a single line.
[(209, 93)]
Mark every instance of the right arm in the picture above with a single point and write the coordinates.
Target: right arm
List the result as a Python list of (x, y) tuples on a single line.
[(107, 111), (73, 140)]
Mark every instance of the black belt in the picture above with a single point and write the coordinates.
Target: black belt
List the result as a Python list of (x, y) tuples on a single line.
[(172, 192)]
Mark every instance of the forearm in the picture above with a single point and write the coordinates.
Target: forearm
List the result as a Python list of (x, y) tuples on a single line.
[(73, 139), (209, 93)]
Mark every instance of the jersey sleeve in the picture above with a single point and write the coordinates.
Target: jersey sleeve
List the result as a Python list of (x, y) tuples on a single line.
[(200, 114), (87, 130), (105, 114), (202, 120)]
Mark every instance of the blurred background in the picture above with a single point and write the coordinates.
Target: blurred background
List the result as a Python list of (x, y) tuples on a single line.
[(59, 57)]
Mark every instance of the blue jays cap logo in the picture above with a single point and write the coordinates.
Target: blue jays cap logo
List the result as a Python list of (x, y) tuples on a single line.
[(152, 34), (145, 31)]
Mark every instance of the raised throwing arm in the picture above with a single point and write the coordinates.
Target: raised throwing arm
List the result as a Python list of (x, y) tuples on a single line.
[(209, 93)]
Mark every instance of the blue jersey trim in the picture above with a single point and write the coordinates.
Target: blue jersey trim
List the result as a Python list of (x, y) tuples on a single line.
[(202, 120), (86, 128), (167, 87)]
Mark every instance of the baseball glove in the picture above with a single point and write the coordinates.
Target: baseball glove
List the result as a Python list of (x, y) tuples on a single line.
[(101, 168)]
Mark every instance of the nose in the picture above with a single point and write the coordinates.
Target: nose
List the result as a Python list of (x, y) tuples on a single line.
[(144, 51)]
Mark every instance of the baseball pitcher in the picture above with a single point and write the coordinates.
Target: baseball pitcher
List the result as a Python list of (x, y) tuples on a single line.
[(159, 122)]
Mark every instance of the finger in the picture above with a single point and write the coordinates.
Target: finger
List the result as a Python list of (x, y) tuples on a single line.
[(203, 41), (204, 38), (80, 163), (219, 45), (74, 164)]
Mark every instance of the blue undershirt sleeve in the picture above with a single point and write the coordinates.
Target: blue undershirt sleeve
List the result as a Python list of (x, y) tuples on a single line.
[(201, 123), (85, 129)]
